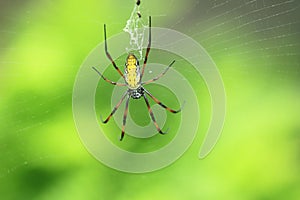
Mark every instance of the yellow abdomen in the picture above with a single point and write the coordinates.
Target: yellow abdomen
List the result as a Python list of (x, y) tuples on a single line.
[(132, 72)]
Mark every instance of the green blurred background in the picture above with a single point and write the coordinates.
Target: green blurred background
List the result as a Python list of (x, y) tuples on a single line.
[(255, 44)]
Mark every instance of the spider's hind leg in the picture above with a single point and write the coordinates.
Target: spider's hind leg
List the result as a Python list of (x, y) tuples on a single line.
[(109, 56), (160, 75), (148, 49), (107, 80)]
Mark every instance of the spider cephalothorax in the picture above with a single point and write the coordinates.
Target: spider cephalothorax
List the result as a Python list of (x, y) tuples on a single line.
[(136, 93), (133, 81)]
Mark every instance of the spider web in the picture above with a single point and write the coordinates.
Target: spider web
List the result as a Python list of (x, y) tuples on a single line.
[(135, 27), (263, 33)]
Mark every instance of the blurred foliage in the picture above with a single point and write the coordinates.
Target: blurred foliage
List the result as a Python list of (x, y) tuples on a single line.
[(43, 44)]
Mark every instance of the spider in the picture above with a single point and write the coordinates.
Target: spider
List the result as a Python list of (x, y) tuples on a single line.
[(133, 81)]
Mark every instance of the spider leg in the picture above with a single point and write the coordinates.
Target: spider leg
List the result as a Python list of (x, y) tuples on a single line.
[(160, 75), (161, 104), (124, 119), (109, 56), (115, 109), (152, 115), (109, 81), (148, 48)]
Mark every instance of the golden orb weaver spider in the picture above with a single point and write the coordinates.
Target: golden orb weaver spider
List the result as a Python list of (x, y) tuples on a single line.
[(133, 80)]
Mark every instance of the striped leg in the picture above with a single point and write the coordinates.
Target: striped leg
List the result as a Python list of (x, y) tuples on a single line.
[(152, 115), (109, 56), (124, 119), (161, 104), (159, 76), (148, 48), (109, 81), (115, 109)]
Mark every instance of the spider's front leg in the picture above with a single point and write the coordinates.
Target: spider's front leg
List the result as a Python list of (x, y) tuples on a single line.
[(124, 118), (161, 104), (152, 115), (115, 108)]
